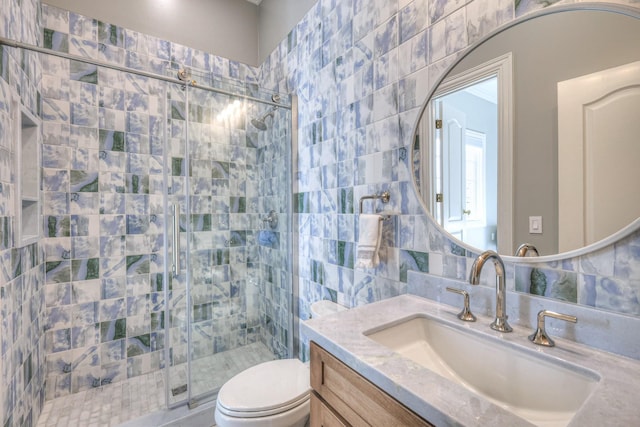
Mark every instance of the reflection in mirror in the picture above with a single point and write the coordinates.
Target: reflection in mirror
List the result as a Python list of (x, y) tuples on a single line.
[(573, 122), (464, 147)]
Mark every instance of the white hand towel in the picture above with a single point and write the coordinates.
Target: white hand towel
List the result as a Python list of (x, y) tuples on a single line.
[(370, 234)]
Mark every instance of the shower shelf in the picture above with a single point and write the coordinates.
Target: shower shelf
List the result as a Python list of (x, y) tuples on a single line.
[(27, 152)]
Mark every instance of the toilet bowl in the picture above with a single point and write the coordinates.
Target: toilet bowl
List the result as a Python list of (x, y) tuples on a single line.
[(274, 394), (271, 394)]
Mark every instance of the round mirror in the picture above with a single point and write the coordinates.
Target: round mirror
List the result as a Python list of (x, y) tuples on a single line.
[(532, 136)]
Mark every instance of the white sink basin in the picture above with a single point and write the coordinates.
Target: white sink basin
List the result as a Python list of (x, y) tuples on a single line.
[(544, 391)]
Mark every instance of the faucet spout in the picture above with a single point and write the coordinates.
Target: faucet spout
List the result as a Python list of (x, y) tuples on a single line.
[(525, 248), (500, 322)]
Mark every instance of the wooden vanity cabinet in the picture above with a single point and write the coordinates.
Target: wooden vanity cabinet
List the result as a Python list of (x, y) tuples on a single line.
[(342, 397)]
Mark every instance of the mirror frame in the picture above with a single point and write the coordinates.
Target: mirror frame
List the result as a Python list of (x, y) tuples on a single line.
[(549, 10)]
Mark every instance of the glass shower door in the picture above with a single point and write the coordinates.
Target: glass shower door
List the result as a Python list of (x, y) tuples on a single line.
[(176, 232), (230, 301), (217, 256)]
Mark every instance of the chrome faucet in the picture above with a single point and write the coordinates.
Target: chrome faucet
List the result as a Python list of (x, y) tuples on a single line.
[(500, 323), (525, 248), (540, 336)]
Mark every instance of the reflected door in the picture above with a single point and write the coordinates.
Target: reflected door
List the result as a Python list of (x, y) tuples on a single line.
[(598, 128), (453, 169), (465, 168)]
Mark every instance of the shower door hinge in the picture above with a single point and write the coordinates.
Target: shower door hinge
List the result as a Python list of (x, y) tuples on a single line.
[(438, 124), (439, 197)]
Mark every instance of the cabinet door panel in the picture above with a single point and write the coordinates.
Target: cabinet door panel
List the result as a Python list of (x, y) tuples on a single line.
[(353, 397), (322, 415)]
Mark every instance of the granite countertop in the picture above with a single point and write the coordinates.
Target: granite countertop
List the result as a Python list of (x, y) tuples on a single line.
[(445, 403)]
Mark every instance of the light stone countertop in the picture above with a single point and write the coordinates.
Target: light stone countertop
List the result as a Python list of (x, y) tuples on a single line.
[(614, 401)]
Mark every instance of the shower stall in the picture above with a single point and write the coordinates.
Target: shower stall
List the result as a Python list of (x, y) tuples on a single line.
[(228, 268), (167, 238)]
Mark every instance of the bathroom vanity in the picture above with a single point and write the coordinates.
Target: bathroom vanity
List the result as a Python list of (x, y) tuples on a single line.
[(342, 397), (365, 371)]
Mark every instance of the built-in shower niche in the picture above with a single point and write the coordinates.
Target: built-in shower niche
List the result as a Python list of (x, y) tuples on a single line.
[(27, 173)]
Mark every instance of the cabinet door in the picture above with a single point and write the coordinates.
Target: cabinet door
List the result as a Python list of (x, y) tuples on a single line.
[(355, 399), (322, 415)]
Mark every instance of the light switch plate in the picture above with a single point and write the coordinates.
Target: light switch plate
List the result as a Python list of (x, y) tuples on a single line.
[(535, 225)]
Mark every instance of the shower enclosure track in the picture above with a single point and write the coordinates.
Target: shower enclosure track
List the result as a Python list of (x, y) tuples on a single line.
[(19, 45)]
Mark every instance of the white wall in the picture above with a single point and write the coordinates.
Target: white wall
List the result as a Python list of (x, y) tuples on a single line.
[(227, 28), (277, 18)]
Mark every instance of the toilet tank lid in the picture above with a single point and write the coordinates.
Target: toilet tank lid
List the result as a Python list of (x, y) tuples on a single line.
[(324, 308), (266, 386)]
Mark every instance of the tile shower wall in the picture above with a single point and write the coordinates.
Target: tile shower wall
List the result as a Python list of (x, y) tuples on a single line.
[(273, 245), (103, 222), (361, 70), (21, 267), (104, 218)]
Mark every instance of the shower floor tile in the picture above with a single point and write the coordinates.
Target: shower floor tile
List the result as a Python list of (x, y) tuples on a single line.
[(114, 404), (108, 405)]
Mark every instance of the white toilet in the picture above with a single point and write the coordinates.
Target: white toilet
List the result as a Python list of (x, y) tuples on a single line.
[(271, 394)]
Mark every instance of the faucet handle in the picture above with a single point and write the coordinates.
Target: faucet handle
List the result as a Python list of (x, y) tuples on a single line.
[(466, 313), (540, 336)]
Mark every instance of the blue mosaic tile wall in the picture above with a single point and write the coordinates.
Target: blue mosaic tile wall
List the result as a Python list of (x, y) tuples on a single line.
[(273, 245), (361, 70), (103, 224), (104, 215), (22, 355)]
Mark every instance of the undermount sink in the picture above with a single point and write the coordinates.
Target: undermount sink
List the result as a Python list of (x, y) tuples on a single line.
[(542, 391)]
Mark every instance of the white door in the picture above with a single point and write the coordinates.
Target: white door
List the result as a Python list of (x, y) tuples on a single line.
[(598, 129), (453, 169), (461, 173)]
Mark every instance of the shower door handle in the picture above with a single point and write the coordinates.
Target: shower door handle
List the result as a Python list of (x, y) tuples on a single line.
[(175, 268)]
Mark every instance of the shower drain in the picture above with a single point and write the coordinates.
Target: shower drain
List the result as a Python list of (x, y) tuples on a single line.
[(179, 390)]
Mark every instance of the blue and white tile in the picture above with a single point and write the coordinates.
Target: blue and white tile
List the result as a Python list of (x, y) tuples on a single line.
[(55, 87), (86, 291), (484, 16), (84, 115), (618, 295), (55, 18), (82, 26), (83, 48), (439, 9), (525, 6), (413, 18), (83, 137), (56, 110), (383, 10)]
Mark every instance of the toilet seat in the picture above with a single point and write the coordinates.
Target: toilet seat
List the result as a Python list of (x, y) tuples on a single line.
[(266, 389), (265, 413)]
